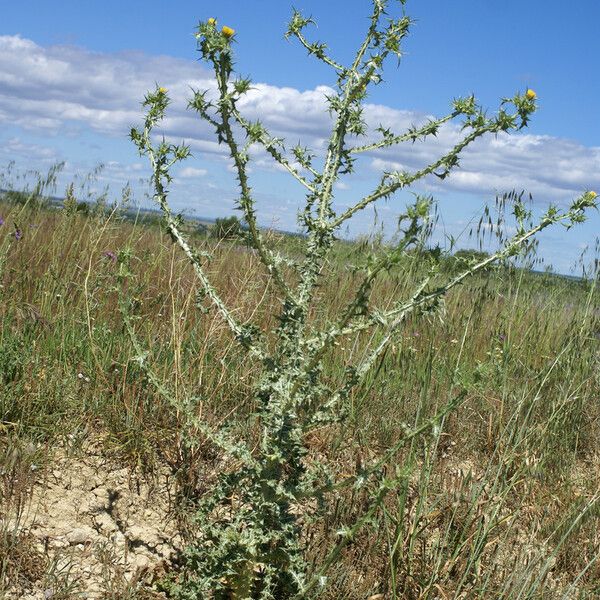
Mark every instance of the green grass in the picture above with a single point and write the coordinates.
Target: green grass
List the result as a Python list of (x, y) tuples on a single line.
[(502, 503)]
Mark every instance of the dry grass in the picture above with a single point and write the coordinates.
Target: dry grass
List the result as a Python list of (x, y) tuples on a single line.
[(502, 505)]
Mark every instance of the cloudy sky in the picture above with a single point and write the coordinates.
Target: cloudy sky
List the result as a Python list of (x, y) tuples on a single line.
[(73, 74)]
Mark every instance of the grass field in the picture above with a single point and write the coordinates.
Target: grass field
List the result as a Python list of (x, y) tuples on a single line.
[(502, 502)]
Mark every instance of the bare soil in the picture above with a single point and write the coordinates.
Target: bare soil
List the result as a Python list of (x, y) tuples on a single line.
[(91, 528)]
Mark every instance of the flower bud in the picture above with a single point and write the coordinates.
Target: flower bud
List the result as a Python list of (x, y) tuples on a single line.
[(212, 21), (227, 31), (530, 94), (162, 90)]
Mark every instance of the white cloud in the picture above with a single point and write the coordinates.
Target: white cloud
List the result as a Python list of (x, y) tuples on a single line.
[(51, 88), (44, 88), (289, 112), (550, 167), (15, 148), (192, 172)]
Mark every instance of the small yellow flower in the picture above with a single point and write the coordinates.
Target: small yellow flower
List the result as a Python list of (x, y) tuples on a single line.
[(212, 21), (162, 90), (227, 31), (531, 95), (592, 194)]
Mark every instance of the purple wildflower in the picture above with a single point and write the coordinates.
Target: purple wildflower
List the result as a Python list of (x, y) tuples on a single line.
[(18, 234), (110, 255), (1, 221)]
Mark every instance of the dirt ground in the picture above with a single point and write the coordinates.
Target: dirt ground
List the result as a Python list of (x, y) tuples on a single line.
[(90, 529)]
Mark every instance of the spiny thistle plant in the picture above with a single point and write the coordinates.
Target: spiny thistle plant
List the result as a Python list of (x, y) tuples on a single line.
[(251, 541)]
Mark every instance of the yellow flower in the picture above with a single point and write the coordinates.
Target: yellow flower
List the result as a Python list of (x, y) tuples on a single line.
[(162, 90), (212, 21), (592, 194), (531, 95), (227, 31)]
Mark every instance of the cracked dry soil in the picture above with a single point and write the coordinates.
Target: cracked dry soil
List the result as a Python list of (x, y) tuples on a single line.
[(101, 531)]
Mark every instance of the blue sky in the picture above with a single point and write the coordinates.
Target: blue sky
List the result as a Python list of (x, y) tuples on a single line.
[(72, 75)]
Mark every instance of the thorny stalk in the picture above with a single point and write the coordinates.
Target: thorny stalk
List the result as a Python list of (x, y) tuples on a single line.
[(250, 545)]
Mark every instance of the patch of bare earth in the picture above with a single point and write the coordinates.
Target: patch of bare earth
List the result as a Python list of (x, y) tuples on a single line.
[(91, 529)]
